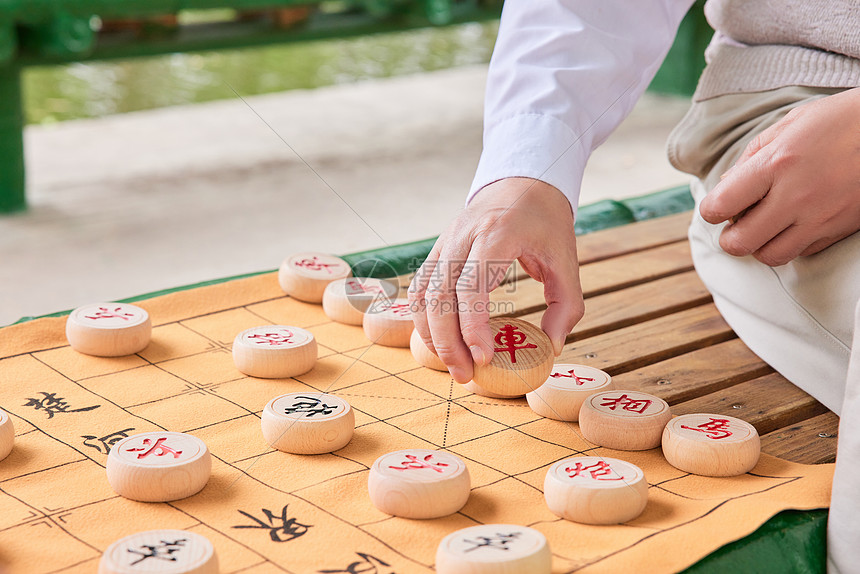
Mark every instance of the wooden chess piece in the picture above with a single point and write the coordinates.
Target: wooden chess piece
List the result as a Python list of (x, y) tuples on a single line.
[(624, 420), (274, 351), (306, 275), (711, 445), (308, 423), (522, 358), (346, 300), (567, 387), (389, 323), (7, 434), (418, 483), (494, 549), (108, 329), (160, 552), (595, 490), (158, 466), (423, 355)]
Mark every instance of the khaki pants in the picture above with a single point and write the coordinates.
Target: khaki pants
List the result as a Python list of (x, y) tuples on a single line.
[(799, 317)]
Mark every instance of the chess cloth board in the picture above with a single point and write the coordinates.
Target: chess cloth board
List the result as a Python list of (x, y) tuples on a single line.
[(267, 511)]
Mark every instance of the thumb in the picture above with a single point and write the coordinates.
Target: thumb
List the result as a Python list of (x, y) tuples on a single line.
[(565, 306)]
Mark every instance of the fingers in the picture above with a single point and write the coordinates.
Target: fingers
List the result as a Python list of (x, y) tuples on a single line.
[(441, 308), (450, 295), (757, 227), (794, 190), (484, 272), (742, 188), (565, 306), (785, 247), (417, 291), (747, 181)]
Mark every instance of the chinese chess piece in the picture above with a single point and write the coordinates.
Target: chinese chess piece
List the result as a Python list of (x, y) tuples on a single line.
[(389, 323), (7, 434), (711, 445), (624, 420), (418, 483), (423, 355), (108, 329), (567, 387), (308, 423), (346, 300), (494, 549), (161, 552), (305, 275), (274, 351), (159, 466), (595, 490), (522, 358)]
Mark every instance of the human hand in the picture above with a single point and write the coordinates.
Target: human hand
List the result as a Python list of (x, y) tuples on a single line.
[(511, 219), (796, 188)]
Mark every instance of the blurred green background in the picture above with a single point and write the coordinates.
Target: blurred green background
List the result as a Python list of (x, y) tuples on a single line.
[(100, 88)]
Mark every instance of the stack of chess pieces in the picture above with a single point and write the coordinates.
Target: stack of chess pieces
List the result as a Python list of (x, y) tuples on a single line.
[(416, 484)]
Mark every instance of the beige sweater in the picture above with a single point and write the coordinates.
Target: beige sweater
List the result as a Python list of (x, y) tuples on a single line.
[(766, 44)]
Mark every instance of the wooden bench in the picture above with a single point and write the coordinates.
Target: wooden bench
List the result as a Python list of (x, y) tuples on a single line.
[(652, 325)]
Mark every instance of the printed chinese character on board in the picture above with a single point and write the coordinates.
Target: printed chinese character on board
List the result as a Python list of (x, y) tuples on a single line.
[(52, 404), (104, 444), (281, 528)]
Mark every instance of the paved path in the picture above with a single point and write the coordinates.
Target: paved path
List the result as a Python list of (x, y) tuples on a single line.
[(149, 200)]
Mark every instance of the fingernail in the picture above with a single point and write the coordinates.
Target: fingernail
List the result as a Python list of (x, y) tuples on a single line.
[(458, 374), (558, 346), (478, 355)]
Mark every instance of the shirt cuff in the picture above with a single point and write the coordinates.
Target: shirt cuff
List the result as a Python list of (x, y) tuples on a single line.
[(535, 146)]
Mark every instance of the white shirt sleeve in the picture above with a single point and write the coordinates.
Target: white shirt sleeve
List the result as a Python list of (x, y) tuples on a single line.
[(563, 75)]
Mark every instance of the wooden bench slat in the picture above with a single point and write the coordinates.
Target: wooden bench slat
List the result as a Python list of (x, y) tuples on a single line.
[(602, 277), (635, 268), (768, 403), (801, 442), (650, 342), (619, 309), (697, 373), (623, 240), (632, 237)]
